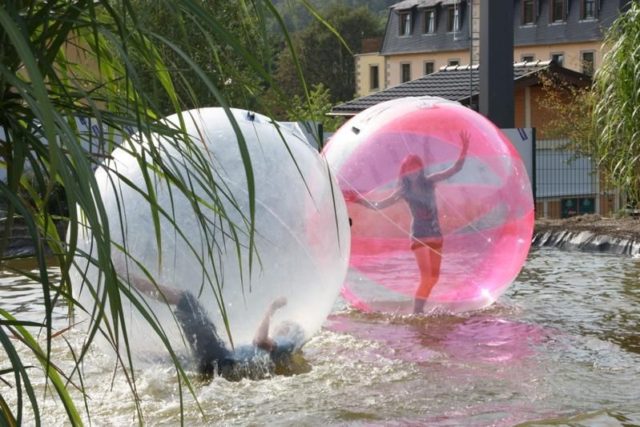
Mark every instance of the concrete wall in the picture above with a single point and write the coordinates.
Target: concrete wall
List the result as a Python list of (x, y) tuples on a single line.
[(572, 53)]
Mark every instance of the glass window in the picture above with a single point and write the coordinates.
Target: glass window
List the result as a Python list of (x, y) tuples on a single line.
[(374, 77), (557, 10), (429, 67), (405, 24), (454, 62), (405, 70), (528, 58), (588, 63), (588, 9), (429, 21), (558, 58), (528, 12), (453, 19)]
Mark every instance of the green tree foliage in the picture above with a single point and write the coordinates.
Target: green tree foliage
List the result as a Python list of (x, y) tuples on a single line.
[(569, 107), (233, 77), (617, 109), (323, 58), (297, 16), (314, 109)]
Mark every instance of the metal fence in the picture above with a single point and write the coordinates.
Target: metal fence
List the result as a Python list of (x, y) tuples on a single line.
[(567, 184)]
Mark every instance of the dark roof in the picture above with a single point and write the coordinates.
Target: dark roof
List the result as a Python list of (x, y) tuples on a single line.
[(408, 4), (572, 30), (440, 40), (542, 32), (455, 83)]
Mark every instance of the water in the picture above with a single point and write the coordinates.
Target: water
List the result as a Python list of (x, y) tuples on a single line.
[(561, 347)]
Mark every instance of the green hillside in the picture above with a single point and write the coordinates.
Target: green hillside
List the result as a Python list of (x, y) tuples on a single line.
[(297, 17)]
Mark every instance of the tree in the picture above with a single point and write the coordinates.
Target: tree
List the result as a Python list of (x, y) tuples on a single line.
[(617, 109), (297, 16), (323, 57), (314, 109), (569, 107), (235, 79)]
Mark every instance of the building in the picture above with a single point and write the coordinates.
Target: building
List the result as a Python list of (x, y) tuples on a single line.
[(461, 83), (565, 184), (423, 36)]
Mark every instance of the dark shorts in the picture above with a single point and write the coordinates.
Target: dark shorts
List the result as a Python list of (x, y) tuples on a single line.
[(424, 230), (432, 242)]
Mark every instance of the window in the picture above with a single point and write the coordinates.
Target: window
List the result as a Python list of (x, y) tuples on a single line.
[(429, 21), (528, 58), (558, 58), (528, 12), (557, 10), (428, 67), (374, 77), (453, 19), (588, 63), (405, 71), (588, 9), (405, 24), (453, 62)]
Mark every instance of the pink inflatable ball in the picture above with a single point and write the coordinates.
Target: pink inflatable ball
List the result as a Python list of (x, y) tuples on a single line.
[(484, 210)]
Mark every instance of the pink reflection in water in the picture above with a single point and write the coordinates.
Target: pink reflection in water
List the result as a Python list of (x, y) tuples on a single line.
[(479, 338)]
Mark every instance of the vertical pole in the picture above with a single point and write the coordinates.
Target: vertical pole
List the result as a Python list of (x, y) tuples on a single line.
[(496, 62)]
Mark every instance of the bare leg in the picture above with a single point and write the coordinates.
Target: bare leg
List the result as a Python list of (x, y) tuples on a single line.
[(429, 259)]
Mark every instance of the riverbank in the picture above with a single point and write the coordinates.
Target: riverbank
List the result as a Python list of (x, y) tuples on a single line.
[(625, 227), (591, 233)]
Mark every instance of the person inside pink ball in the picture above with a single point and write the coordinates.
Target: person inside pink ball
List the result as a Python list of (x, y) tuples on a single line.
[(418, 191)]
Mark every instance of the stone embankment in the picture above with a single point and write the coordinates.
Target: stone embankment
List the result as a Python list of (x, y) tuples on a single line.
[(590, 233), (20, 243)]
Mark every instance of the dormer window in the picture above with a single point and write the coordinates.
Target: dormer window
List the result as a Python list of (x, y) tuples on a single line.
[(453, 19), (528, 12), (558, 10), (429, 21), (588, 9), (405, 23)]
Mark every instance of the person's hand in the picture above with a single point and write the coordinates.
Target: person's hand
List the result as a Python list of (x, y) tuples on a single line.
[(278, 303)]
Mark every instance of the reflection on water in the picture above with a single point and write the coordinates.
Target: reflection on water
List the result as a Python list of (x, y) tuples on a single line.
[(23, 298), (561, 347)]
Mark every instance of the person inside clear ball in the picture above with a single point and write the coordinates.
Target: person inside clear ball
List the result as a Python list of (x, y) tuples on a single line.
[(418, 191), (279, 353)]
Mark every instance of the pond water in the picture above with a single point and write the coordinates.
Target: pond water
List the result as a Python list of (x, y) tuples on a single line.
[(561, 347)]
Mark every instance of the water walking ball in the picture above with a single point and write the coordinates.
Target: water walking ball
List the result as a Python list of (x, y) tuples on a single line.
[(298, 249), (480, 204)]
